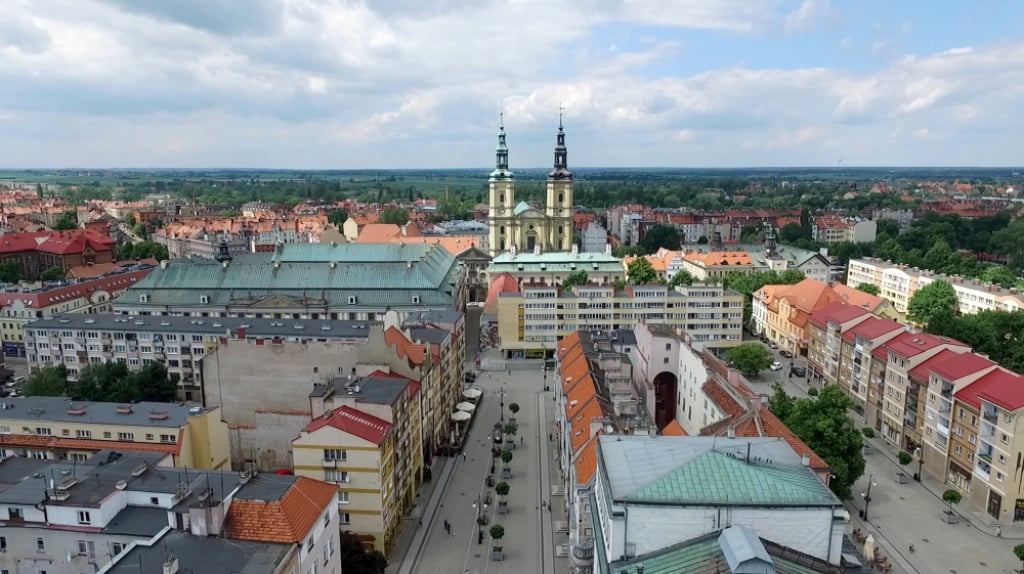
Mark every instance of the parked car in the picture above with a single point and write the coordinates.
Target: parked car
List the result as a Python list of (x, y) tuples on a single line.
[(776, 366), (772, 345), (497, 433), (786, 354), (798, 372)]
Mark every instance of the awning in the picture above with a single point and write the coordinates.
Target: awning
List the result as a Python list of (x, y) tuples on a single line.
[(459, 416), (472, 393), (466, 406)]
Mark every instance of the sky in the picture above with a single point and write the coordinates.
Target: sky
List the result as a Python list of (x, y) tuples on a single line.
[(378, 84)]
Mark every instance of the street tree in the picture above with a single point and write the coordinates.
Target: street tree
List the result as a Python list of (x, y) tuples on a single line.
[(497, 532), (750, 358), (823, 424), (951, 496), (869, 288), (514, 409), (395, 215), (641, 272), (578, 277), (49, 381), (661, 235), (937, 299)]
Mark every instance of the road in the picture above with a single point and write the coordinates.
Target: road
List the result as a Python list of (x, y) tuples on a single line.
[(528, 542)]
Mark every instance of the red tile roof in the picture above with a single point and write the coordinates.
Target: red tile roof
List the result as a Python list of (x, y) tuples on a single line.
[(354, 422), (1001, 387), (415, 353), (503, 283), (59, 242), (114, 285), (721, 397), (872, 328), (959, 365), (837, 312), (908, 345), (586, 460), (674, 429), (284, 521)]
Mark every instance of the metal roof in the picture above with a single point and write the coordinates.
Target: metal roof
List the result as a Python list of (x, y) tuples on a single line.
[(223, 326), (202, 555), (41, 410)]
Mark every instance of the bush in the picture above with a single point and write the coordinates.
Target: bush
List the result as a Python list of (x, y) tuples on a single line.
[(868, 432), (905, 458)]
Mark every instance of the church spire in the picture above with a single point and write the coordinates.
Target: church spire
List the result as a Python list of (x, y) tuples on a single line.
[(501, 153), (561, 170)]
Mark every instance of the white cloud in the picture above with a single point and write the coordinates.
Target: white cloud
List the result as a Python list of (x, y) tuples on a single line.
[(806, 15)]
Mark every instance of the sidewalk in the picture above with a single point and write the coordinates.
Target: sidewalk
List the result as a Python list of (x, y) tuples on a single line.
[(410, 541)]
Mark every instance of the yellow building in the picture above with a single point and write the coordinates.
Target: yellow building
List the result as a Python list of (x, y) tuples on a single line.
[(54, 428), (782, 312), (366, 436)]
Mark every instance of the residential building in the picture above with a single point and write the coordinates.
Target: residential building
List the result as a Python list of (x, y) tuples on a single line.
[(552, 268), (263, 387), (304, 281), (533, 320), (715, 265), (873, 303), (781, 312), (595, 238), (36, 252), (86, 296), (711, 261), (367, 437), (180, 343), (834, 229), (991, 475), (903, 217), (698, 482), (54, 428), (129, 512), (521, 227), (898, 284)]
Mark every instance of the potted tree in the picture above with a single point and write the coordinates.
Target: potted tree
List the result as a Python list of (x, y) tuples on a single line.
[(511, 428), (497, 551), (951, 497), (513, 408), (1018, 551), (905, 458), (868, 432), (506, 458), (502, 490)]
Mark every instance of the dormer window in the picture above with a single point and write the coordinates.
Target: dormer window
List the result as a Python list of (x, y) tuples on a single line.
[(204, 299), (415, 299), (351, 299), (143, 298)]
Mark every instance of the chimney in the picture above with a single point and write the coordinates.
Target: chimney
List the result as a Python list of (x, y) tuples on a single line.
[(640, 568), (805, 459), (731, 432), (240, 333)]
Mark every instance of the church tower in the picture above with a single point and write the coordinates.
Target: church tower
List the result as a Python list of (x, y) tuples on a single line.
[(501, 199), (559, 209)]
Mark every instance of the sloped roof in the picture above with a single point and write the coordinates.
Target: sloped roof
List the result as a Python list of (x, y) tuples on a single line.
[(586, 460), (287, 520), (503, 283), (1001, 387), (673, 428), (837, 312), (354, 422), (858, 298), (872, 328)]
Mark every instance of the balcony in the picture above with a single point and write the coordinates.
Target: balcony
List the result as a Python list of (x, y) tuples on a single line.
[(982, 469), (988, 431), (991, 416)]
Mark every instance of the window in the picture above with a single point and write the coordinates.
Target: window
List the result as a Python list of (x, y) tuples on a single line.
[(106, 434), (169, 438), (84, 517), (125, 436), (116, 548), (154, 500), (87, 548), (3, 543), (45, 431), (309, 544), (335, 454), (327, 556), (351, 299), (665, 360), (40, 545), (345, 519), (15, 514), (342, 497), (331, 475), (204, 299)]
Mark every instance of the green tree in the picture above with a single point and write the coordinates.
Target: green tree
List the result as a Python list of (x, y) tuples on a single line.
[(660, 235), (395, 215), (338, 217), (951, 496), (139, 230), (130, 220), (125, 251), (1018, 551), (152, 383), (791, 232), (52, 274), (999, 275), (497, 533), (49, 381), (356, 559), (67, 220), (502, 489), (750, 358), (149, 249), (506, 458), (933, 300), (578, 277), (10, 272), (823, 424), (641, 272), (514, 409), (869, 288), (681, 278), (229, 213)]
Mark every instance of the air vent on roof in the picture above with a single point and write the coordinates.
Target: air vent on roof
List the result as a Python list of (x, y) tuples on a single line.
[(140, 322), (299, 327), (90, 321), (217, 325), (121, 484), (138, 470), (64, 320), (124, 410), (325, 327), (76, 411), (195, 410), (158, 416), (165, 323)]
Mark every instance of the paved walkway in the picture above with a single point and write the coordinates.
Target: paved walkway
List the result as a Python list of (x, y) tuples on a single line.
[(529, 529)]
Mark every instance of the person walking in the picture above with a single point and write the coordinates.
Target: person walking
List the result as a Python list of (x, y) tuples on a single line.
[(447, 527), (463, 456), (520, 441)]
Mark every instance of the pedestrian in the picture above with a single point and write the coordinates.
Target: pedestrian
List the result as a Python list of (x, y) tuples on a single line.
[(447, 526), (463, 456), (999, 531), (520, 440)]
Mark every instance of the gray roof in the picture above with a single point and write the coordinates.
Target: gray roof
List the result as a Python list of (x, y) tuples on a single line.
[(313, 274), (203, 555), (224, 326), (138, 521), (382, 390), (41, 410), (446, 316), (743, 551), (427, 335)]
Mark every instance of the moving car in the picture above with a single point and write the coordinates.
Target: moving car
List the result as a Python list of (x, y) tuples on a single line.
[(786, 354), (497, 433), (776, 366)]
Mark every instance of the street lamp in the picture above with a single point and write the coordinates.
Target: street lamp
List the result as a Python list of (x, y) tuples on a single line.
[(480, 516), (501, 399), (867, 495)]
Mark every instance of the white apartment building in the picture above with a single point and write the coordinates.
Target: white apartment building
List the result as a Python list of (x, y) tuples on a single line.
[(898, 284)]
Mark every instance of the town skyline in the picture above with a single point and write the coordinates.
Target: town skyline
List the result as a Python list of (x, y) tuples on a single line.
[(342, 85)]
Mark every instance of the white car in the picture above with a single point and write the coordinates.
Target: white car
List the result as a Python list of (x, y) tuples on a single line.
[(776, 366)]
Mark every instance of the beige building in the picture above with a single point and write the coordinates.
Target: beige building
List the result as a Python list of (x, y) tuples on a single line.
[(552, 268), (532, 321), (521, 227), (781, 312), (54, 428), (366, 436), (898, 284)]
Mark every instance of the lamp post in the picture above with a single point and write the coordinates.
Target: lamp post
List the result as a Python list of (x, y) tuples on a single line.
[(867, 495), (479, 516), (501, 399)]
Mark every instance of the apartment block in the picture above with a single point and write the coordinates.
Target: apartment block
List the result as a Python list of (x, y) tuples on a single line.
[(833, 229), (180, 343), (898, 284), (130, 512), (533, 319), (782, 312), (87, 296), (53, 428), (385, 397)]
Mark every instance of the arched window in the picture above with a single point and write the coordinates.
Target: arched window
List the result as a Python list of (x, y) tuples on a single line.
[(502, 244), (501, 198), (560, 198), (502, 230)]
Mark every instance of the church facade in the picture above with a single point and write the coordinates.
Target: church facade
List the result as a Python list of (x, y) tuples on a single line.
[(521, 227)]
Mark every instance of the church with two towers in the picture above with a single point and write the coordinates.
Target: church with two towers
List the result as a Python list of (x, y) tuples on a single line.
[(521, 227)]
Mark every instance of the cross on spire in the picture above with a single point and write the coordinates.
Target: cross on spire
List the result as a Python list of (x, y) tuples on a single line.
[(561, 110)]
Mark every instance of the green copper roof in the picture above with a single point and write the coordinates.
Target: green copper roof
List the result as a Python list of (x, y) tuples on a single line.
[(700, 556), (556, 262), (719, 478), (522, 208)]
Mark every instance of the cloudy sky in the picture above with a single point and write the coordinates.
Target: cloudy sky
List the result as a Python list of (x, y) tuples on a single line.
[(419, 83)]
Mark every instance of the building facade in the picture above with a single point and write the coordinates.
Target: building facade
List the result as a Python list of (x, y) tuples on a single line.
[(552, 268), (521, 227), (782, 312)]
